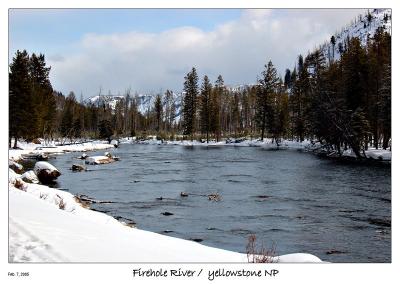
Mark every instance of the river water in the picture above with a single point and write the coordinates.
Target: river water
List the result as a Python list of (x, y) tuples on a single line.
[(291, 200)]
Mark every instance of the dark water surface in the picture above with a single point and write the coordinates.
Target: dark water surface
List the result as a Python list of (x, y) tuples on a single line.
[(297, 201)]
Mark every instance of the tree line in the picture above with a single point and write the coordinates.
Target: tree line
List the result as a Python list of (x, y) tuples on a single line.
[(342, 103)]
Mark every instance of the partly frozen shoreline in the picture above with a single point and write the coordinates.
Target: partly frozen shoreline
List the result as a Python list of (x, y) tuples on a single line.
[(268, 144), (49, 225)]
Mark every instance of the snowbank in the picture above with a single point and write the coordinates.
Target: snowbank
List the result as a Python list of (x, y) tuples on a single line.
[(243, 142), (48, 225), (375, 154), (30, 176), (30, 148), (98, 160), (267, 143)]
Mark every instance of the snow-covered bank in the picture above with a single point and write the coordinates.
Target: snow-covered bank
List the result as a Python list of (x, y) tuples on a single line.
[(36, 149), (375, 154), (267, 143), (48, 225)]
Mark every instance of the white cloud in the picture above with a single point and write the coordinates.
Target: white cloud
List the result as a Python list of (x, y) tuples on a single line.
[(238, 50)]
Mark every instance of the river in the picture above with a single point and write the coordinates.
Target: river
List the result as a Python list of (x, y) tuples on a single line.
[(291, 200)]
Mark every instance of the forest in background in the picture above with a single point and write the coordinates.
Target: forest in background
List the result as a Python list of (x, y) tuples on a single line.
[(343, 103)]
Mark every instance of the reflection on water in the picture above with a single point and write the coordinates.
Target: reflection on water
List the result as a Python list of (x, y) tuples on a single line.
[(294, 200)]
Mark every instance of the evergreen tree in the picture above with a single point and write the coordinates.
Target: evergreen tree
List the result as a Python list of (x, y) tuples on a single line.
[(268, 86), (190, 103), (169, 109), (288, 79), (67, 120), (42, 93), (215, 117), (105, 130), (205, 107), (298, 100), (77, 128), (333, 42), (158, 108), (20, 103)]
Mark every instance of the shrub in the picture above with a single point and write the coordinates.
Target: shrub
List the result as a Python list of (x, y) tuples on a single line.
[(259, 255), (61, 203)]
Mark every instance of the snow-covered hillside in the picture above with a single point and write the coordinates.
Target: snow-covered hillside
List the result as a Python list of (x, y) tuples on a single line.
[(364, 27), (144, 102), (100, 100)]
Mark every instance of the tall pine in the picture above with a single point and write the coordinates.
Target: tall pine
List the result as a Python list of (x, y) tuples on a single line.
[(190, 88)]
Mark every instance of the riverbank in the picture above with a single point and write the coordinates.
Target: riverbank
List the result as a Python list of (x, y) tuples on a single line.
[(49, 225), (372, 155)]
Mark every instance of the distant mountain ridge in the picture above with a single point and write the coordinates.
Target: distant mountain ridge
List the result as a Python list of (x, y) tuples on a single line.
[(144, 102)]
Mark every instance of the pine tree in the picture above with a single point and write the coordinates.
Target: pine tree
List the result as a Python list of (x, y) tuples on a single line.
[(298, 99), (288, 79), (158, 109), (67, 120), (42, 93), (190, 103), (77, 128), (20, 103), (266, 91), (205, 107), (216, 96), (333, 42), (105, 130)]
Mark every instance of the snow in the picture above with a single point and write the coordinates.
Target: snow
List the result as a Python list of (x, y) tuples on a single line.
[(40, 166), (379, 154), (30, 176), (357, 29), (15, 165), (376, 154), (267, 144), (42, 232), (97, 160), (245, 142), (143, 102), (12, 176), (30, 148)]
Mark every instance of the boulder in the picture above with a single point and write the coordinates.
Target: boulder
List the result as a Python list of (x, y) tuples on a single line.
[(30, 177), (83, 156), (18, 168), (99, 160), (78, 168), (46, 172)]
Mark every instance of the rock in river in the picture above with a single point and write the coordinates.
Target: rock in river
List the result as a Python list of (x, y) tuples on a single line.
[(46, 172), (78, 168), (98, 160)]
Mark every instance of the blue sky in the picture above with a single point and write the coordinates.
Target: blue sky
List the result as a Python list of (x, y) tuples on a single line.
[(53, 30), (148, 50)]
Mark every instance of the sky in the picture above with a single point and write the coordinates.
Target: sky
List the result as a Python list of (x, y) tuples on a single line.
[(151, 50)]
